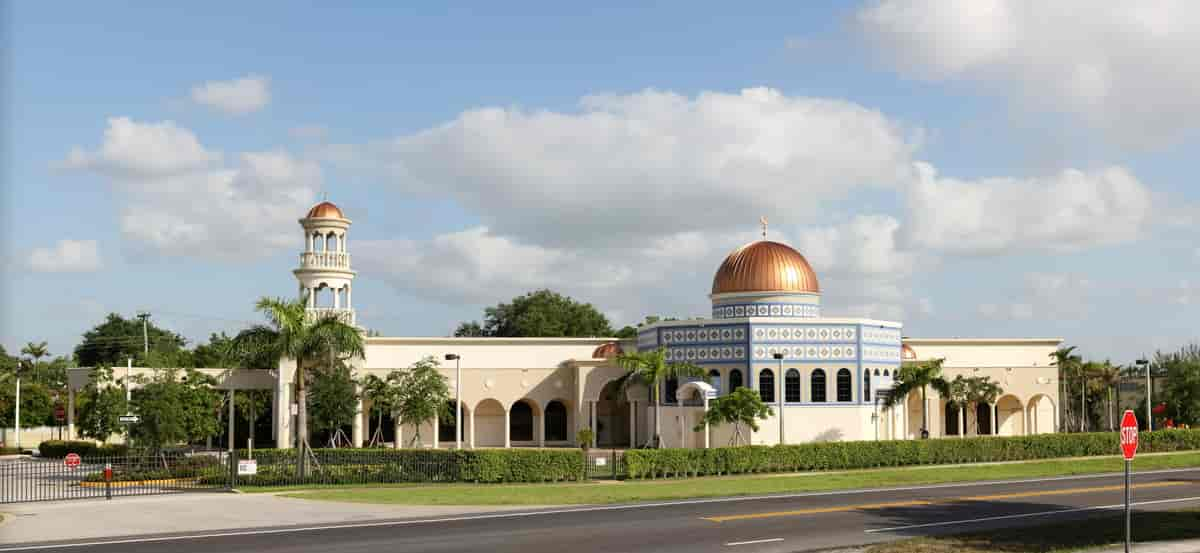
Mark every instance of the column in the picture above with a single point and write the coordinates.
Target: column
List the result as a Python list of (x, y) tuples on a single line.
[(592, 421), (356, 434), (706, 424), (540, 431), (471, 428), (283, 412), (507, 425), (337, 298), (633, 424), (399, 432), (437, 429), (962, 428), (70, 413), (995, 421), (348, 303)]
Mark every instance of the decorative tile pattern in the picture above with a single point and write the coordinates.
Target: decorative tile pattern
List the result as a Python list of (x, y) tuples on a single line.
[(875, 335), (806, 333), (800, 310), (707, 354), (881, 353), (807, 352), (703, 335)]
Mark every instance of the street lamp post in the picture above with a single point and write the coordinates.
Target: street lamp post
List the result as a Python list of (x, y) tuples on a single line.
[(1149, 416), (779, 378), (457, 399)]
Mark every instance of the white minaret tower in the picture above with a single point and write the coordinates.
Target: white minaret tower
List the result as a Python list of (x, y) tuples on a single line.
[(324, 274)]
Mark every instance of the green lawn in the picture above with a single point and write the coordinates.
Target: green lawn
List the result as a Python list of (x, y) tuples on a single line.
[(1075, 535), (649, 490)]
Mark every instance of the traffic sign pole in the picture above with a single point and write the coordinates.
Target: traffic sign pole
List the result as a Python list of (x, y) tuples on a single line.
[(1129, 445)]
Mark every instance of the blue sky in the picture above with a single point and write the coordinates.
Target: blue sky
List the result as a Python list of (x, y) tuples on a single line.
[(1014, 171)]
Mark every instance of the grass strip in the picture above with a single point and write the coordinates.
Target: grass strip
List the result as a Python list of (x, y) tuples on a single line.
[(595, 493), (1061, 537)]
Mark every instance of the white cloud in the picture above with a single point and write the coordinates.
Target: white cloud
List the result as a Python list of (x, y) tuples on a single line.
[(175, 201), (132, 150), (66, 256), (862, 268), (1127, 68), (309, 132), (1068, 211), (646, 164), (234, 97)]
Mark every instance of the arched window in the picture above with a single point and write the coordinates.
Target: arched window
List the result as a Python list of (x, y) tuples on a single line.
[(520, 422), (843, 385), (951, 420), (556, 422), (791, 386), (766, 385), (867, 385), (877, 372), (735, 380), (817, 383), (885, 372), (714, 380), (669, 389), (983, 419)]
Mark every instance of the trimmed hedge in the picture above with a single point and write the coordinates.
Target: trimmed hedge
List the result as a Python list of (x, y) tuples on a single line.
[(654, 463), (277, 467), (57, 449)]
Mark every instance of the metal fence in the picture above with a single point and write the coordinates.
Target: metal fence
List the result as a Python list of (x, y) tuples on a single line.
[(605, 464), (33, 479)]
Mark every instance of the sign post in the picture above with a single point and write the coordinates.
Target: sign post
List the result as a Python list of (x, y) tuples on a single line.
[(1129, 445)]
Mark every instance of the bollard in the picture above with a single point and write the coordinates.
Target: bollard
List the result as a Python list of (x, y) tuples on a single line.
[(108, 481)]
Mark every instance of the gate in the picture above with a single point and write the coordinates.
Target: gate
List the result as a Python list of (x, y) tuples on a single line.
[(605, 464), (28, 479)]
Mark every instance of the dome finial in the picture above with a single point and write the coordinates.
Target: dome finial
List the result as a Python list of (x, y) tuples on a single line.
[(763, 221)]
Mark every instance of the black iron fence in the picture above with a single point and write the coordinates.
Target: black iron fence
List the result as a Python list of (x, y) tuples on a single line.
[(36, 479)]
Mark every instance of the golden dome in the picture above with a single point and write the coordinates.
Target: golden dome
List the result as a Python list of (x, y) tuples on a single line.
[(607, 350), (325, 210), (907, 353), (765, 266)]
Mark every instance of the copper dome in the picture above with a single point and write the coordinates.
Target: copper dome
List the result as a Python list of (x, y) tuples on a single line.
[(607, 350), (325, 210), (765, 266), (907, 353)]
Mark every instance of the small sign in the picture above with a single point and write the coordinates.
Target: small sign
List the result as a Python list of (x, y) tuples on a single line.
[(247, 467), (72, 460), (295, 409), (1129, 435), (601, 461), (60, 414), (129, 419)]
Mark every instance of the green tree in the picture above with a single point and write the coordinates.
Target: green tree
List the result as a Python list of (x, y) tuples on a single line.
[(216, 354), (294, 334), (539, 314), (333, 402), (742, 407), (36, 405), (117, 339), (1182, 393), (101, 403), (652, 369), (382, 395), (35, 352), (1105, 378), (174, 406), (422, 394), (1069, 366), (919, 376)]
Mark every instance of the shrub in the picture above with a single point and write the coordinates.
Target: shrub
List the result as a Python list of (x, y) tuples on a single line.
[(57, 449), (652, 463)]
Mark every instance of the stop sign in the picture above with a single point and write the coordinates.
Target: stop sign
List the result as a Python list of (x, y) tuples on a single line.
[(72, 460), (1129, 435)]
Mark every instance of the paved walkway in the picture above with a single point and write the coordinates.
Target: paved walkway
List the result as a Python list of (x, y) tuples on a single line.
[(1186, 546), (194, 512)]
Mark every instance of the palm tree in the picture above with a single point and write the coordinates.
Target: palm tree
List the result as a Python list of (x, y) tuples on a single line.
[(1068, 364), (957, 398), (652, 369), (981, 390), (919, 376), (36, 351), (294, 334), (1108, 376)]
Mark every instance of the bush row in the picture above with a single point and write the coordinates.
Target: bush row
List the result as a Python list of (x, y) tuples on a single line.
[(56, 449), (165, 468), (652, 463), (351, 466)]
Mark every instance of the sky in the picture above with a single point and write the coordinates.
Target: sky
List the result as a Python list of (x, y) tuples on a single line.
[(971, 169)]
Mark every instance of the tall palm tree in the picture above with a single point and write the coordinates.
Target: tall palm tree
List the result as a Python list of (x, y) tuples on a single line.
[(919, 376), (981, 390), (294, 334), (957, 397), (652, 369), (1068, 364), (37, 352), (1108, 376)]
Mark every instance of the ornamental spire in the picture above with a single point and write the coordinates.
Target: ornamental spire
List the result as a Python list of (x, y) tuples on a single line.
[(763, 221)]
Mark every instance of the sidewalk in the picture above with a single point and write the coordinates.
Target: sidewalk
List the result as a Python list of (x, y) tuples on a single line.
[(194, 512), (1186, 546)]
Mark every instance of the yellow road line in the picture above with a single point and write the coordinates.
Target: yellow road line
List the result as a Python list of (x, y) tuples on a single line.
[(919, 502)]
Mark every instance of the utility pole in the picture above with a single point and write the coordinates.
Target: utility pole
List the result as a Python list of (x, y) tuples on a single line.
[(143, 315)]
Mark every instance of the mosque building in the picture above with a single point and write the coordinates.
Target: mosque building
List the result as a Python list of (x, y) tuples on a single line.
[(823, 376)]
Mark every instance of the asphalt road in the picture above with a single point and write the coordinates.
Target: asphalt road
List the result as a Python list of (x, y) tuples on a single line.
[(765, 524)]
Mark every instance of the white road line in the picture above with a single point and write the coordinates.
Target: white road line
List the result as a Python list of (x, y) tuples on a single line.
[(751, 542), (598, 508), (1029, 515)]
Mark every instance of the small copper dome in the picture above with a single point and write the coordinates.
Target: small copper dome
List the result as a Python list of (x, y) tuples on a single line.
[(765, 266), (907, 353), (607, 350), (325, 210)]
